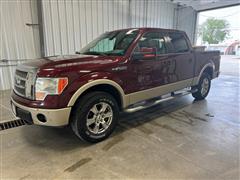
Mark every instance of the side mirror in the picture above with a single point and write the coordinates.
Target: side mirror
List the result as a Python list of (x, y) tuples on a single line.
[(144, 54)]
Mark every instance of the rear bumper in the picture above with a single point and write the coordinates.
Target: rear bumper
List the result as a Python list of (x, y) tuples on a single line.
[(53, 117)]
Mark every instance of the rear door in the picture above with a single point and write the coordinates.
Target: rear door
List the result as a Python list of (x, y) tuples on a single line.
[(181, 55)]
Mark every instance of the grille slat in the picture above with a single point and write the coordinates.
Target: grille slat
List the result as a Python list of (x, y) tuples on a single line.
[(20, 86), (21, 78), (19, 91), (22, 74)]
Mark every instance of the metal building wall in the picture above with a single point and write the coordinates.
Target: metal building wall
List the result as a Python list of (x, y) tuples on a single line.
[(186, 21), (18, 41), (152, 13), (69, 25)]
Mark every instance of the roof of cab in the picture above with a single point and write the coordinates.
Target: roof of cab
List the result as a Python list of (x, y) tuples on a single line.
[(150, 29)]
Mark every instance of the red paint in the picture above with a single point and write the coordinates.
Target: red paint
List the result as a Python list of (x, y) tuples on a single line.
[(149, 55), (138, 75)]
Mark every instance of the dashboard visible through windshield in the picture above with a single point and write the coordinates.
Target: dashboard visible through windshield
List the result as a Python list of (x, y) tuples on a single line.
[(111, 43)]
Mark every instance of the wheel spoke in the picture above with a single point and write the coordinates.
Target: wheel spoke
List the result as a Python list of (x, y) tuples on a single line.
[(104, 125), (108, 115), (96, 128), (104, 107), (91, 121), (94, 109), (204, 86)]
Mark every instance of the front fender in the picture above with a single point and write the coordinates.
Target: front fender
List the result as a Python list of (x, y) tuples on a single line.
[(85, 82)]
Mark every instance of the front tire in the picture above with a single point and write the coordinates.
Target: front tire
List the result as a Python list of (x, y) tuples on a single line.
[(203, 87), (95, 116)]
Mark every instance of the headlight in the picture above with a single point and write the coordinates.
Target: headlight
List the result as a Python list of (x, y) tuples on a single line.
[(49, 86)]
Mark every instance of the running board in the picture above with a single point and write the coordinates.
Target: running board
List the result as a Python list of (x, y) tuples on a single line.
[(152, 102)]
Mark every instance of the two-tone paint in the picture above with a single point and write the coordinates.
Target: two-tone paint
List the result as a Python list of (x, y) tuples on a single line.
[(133, 81)]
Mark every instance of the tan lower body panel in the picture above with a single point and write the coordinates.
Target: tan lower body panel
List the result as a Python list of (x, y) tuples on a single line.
[(60, 117), (54, 117), (158, 91)]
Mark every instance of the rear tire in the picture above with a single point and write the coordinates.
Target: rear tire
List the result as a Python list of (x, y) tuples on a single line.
[(203, 87), (95, 116)]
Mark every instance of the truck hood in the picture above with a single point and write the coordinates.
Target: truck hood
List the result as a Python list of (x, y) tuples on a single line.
[(69, 60), (85, 63)]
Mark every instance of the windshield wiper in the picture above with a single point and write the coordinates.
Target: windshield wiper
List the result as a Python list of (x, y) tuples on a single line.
[(95, 53)]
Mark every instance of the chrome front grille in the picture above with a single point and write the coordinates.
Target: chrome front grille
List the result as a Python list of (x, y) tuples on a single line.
[(20, 82), (24, 83)]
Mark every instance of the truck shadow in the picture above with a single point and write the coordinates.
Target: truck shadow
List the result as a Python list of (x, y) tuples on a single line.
[(63, 139)]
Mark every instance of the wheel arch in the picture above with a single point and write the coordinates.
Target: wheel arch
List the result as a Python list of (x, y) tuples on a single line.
[(104, 85), (209, 68)]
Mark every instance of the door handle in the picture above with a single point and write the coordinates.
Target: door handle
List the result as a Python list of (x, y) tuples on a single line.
[(148, 68)]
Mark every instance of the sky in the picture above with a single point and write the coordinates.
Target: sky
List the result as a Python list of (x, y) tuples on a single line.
[(231, 14)]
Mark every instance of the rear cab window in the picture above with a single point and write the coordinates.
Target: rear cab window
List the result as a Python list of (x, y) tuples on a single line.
[(177, 42)]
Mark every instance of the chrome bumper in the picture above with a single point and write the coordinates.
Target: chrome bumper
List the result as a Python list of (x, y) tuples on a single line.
[(54, 117)]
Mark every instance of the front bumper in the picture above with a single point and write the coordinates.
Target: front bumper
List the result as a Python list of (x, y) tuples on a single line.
[(53, 117)]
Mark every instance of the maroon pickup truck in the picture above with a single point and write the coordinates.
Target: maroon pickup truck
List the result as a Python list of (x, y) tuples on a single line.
[(114, 72)]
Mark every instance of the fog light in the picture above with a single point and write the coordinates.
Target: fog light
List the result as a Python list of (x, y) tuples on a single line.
[(41, 118)]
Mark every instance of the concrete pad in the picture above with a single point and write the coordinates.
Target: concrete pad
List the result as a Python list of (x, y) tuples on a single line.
[(178, 139)]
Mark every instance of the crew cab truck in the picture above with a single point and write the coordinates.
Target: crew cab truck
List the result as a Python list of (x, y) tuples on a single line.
[(112, 73)]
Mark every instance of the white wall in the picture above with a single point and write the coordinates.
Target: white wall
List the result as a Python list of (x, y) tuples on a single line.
[(186, 21), (152, 13), (69, 25), (17, 40)]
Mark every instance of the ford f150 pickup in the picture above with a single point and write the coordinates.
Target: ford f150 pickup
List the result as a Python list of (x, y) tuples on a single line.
[(112, 73)]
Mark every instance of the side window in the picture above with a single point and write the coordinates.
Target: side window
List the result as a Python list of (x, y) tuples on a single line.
[(152, 42), (178, 42)]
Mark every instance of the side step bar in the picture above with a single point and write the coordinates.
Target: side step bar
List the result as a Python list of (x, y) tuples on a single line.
[(152, 102)]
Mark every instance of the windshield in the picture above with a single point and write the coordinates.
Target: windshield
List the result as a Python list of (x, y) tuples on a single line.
[(111, 43)]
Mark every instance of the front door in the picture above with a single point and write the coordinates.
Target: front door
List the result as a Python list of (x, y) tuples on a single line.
[(154, 69)]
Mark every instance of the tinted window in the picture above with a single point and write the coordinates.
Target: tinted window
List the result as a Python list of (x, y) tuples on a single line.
[(111, 43), (178, 42), (152, 41)]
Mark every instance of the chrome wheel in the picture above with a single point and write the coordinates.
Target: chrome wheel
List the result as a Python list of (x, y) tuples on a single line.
[(205, 86), (99, 118)]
